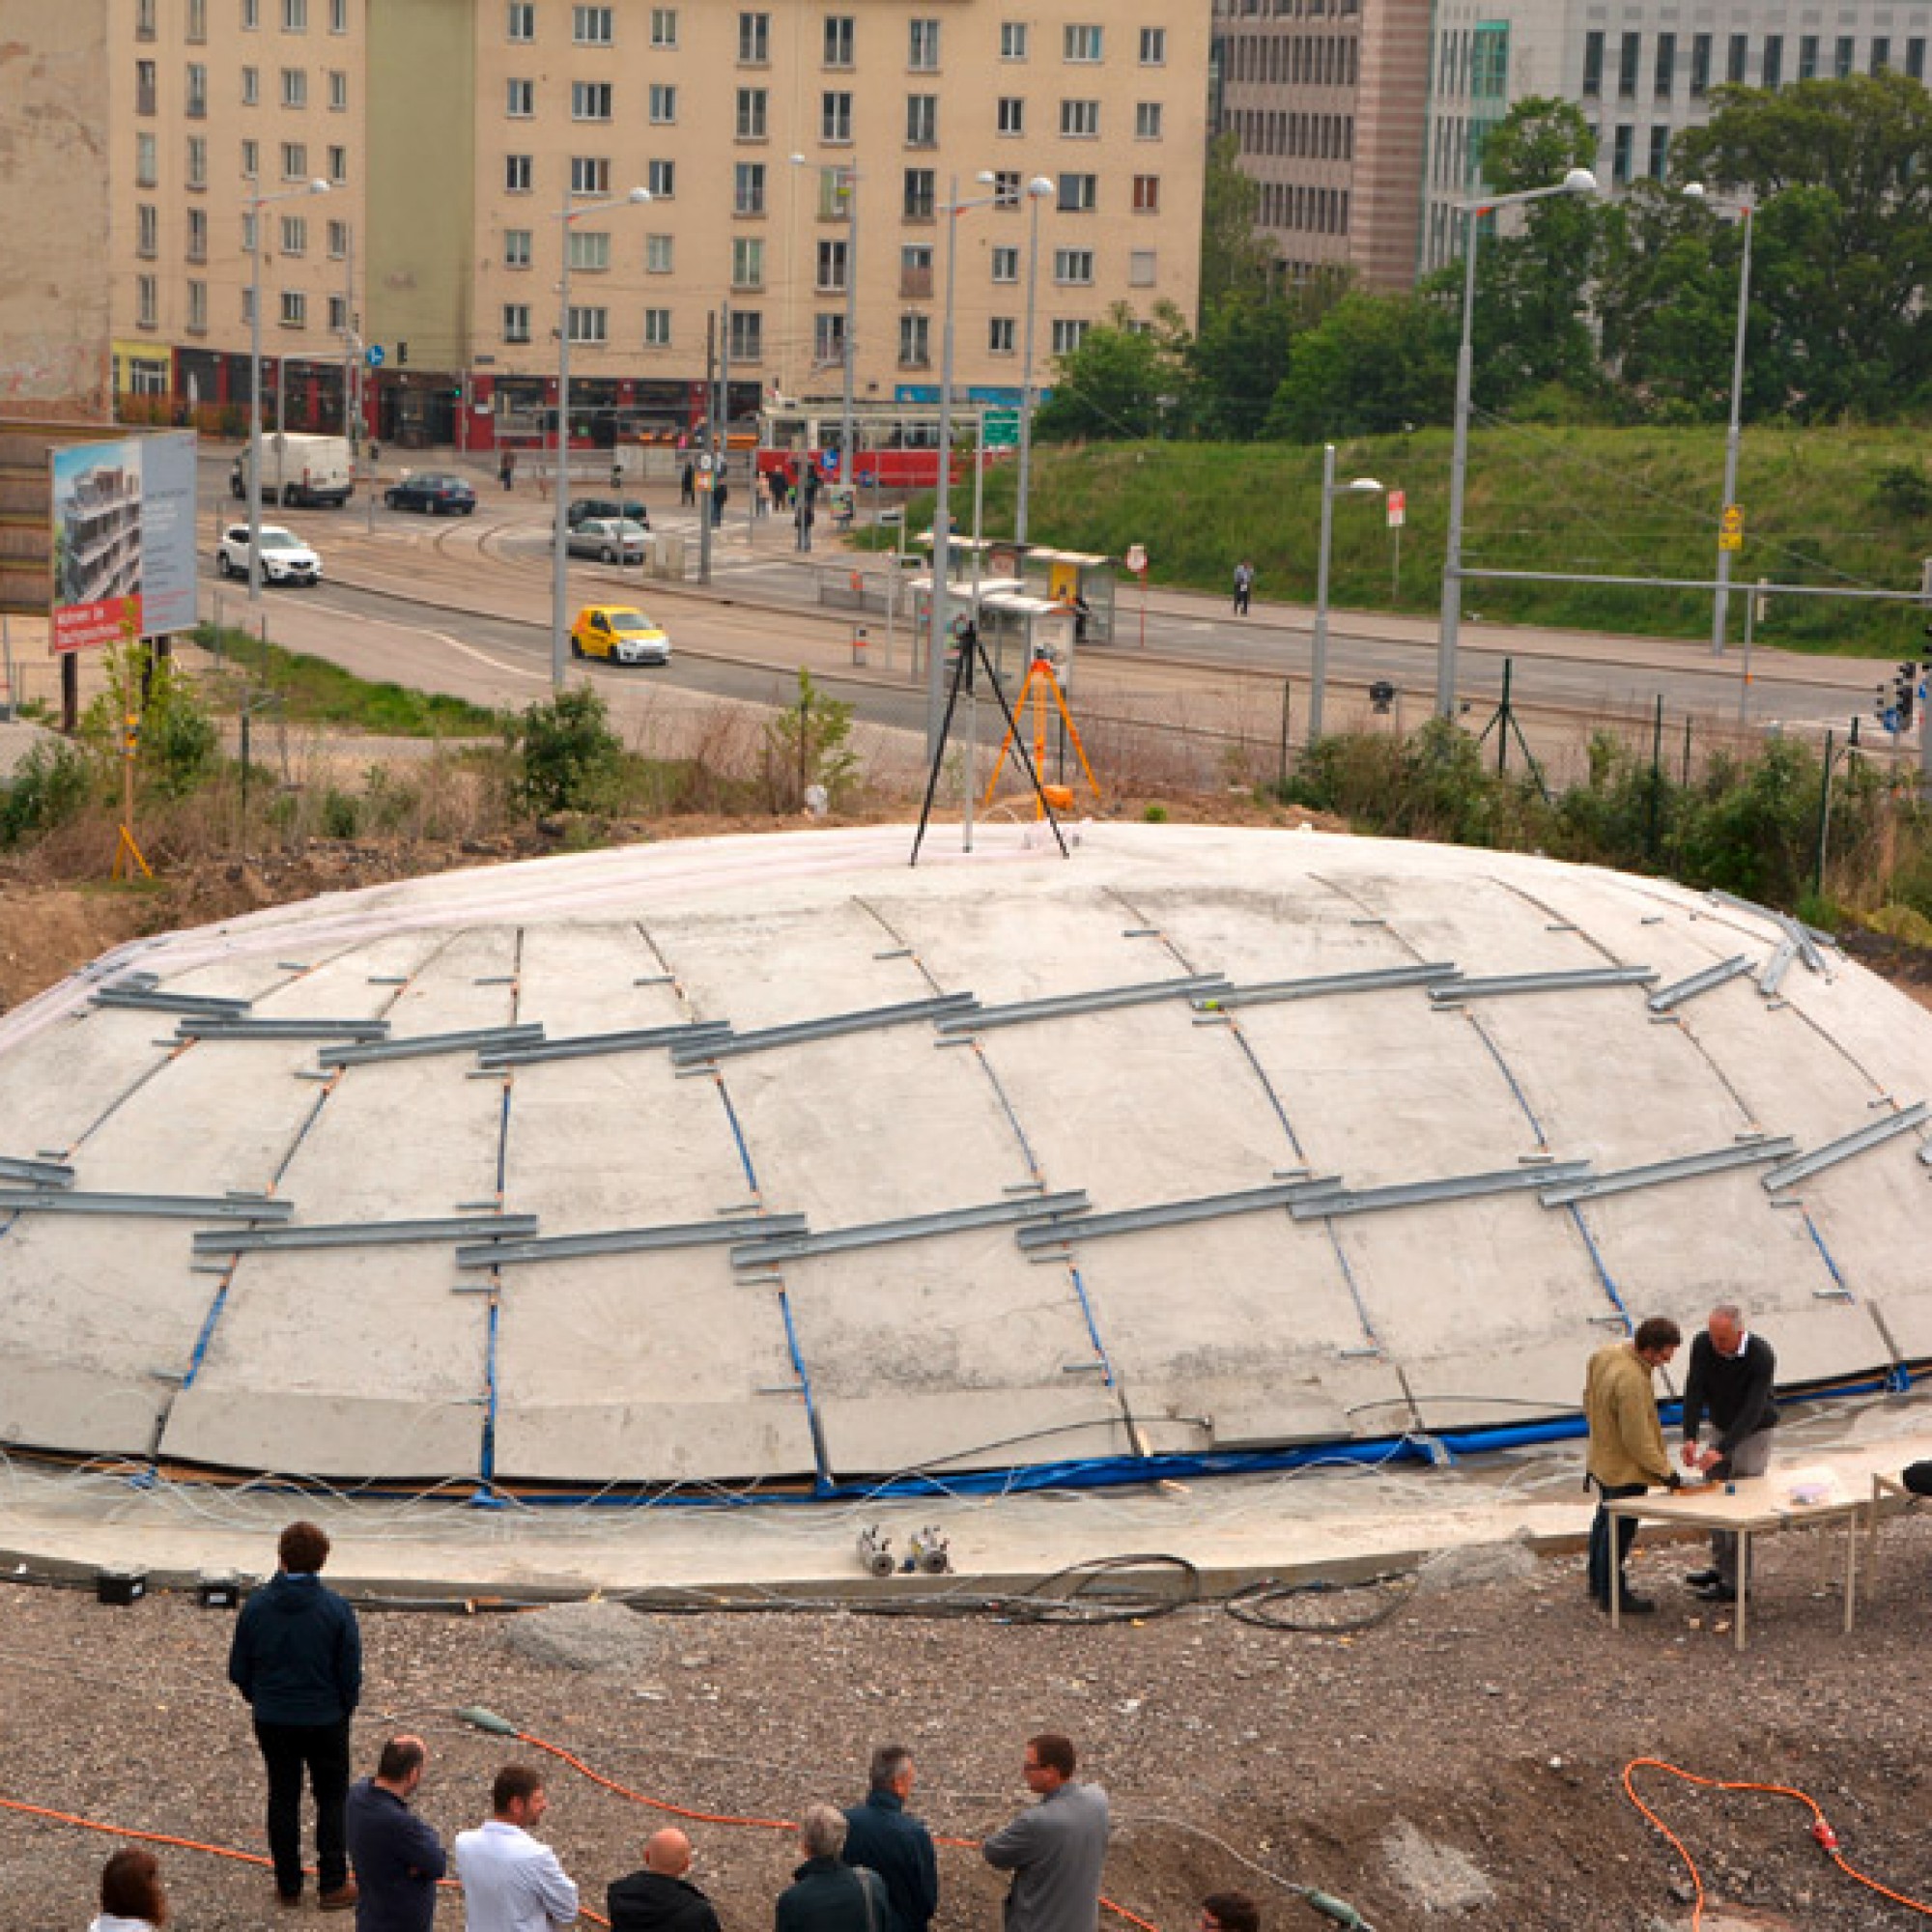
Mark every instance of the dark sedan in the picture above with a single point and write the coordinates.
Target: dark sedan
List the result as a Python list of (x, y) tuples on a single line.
[(433, 492)]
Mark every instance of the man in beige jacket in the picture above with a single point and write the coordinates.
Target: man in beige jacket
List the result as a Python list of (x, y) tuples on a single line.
[(1627, 1453)]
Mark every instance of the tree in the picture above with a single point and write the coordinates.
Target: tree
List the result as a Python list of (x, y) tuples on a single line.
[(1843, 243), (1235, 263), (1116, 386), (1374, 365)]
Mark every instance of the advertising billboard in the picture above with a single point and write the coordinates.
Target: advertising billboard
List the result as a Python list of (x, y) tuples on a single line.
[(122, 539)]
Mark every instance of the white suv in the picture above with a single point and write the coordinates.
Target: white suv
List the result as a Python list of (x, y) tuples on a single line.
[(285, 558)]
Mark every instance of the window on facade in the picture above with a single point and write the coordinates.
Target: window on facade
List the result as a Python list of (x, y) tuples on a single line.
[(521, 100), (662, 103), (832, 261), (1593, 64), (662, 179), (751, 114), (294, 309), (920, 194), (1146, 121), (589, 174), (295, 160), (1630, 60), (916, 271), (1665, 70), (295, 17), (1007, 187), (295, 86), (197, 308), (338, 315), (1141, 273), (755, 38), (1147, 194), (1073, 265), (148, 301), (251, 86), (747, 335), (1736, 62), (747, 187), (251, 159), (1659, 151), (197, 21), (1079, 194), (922, 45), (1001, 335), (1010, 114), (834, 194), (146, 229), (338, 90), (658, 254), (147, 170), (1773, 61), (657, 328), (338, 16), (1807, 57), (517, 243), (834, 117), (590, 323), (1005, 265), (589, 249), (1081, 44), (1620, 154), (839, 39), (1880, 52), (338, 165), (195, 104), (145, 89), (522, 21), (197, 234), (252, 14), (1013, 40), (914, 341), (1153, 46), (590, 100), (519, 173), (748, 262), (1843, 55), (1700, 65), (144, 19), (1080, 120), (828, 339), (591, 26), (1067, 337), (294, 235), (921, 120), (1915, 58), (516, 321), (664, 26), (197, 161)]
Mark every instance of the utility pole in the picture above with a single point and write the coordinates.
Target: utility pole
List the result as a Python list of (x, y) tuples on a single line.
[(348, 330)]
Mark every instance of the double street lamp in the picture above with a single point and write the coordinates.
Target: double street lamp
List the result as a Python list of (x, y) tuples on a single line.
[(1318, 679), (1697, 192), (560, 590), (1578, 180), (255, 205)]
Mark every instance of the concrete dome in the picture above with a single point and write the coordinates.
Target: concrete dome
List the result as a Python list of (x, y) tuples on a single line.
[(770, 1159)]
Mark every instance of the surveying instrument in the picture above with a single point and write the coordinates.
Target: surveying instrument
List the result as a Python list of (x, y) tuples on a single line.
[(1043, 687)]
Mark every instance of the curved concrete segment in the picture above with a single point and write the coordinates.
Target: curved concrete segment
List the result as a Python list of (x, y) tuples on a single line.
[(769, 1158)]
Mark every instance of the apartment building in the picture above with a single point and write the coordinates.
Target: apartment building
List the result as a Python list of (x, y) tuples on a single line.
[(402, 180), (1328, 100)]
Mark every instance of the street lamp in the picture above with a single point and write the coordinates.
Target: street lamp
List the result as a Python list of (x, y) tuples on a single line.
[(1359, 486), (1696, 192), (256, 204), (559, 568), (1578, 180), (848, 178), (942, 513), (1037, 189)]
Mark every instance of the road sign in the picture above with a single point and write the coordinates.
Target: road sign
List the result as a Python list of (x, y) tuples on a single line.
[(373, 355), (1731, 531), (1398, 507), (1000, 429), (1137, 559)]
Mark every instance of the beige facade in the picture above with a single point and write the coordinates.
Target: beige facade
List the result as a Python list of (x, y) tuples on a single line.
[(1329, 105), (453, 134)]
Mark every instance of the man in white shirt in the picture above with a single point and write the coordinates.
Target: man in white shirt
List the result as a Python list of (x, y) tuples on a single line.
[(511, 1881)]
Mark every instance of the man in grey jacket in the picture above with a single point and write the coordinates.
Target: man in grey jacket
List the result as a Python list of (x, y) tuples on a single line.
[(1056, 1849)]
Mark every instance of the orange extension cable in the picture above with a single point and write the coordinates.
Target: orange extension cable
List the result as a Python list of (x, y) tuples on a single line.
[(1821, 1829)]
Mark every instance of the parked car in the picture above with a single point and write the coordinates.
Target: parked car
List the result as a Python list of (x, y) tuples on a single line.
[(433, 492), (609, 539), (628, 507), (619, 633), (285, 558)]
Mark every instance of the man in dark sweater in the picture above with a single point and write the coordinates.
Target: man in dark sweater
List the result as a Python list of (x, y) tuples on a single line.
[(397, 1856), (660, 1897), (1730, 1381), (882, 1834), (297, 1659)]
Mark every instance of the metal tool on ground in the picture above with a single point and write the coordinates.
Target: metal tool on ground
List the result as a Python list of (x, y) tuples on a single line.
[(875, 1551), (1042, 688), (929, 1552)]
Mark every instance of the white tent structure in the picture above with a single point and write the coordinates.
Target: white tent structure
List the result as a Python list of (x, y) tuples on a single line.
[(769, 1160)]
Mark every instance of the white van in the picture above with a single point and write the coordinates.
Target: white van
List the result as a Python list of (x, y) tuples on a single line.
[(316, 471)]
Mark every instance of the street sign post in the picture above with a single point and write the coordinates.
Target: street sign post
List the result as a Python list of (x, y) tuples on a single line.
[(373, 356), (1000, 429), (1397, 515), (1137, 562), (1731, 531)]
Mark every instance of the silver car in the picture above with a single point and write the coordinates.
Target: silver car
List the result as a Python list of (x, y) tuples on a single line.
[(609, 539)]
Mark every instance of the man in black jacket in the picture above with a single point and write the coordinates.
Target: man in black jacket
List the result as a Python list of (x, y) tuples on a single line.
[(1730, 1382), (297, 1659), (660, 1897), (397, 1856), (883, 1835), (826, 1895)]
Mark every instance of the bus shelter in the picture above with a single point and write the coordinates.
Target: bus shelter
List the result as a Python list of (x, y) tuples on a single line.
[(1078, 580)]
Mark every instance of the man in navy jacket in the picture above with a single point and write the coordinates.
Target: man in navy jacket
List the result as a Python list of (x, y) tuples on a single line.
[(882, 1834), (297, 1659), (397, 1856)]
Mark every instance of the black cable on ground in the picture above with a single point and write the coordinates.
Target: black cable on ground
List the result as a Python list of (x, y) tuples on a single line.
[(1319, 1607)]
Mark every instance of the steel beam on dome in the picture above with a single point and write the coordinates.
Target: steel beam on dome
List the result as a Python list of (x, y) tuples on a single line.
[(1708, 981), (916, 1228), (829, 1026), (589, 1045), (149, 1000), (1579, 980), (1660, 1172), (1174, 1214), (1103, 999), (1863, 1141), (1777, 966), (417, 1046), (629, 1240), (214, 1027), (365, 1234), (38, 1172), (1318, 1205), (175, 1206), (1381, 979)]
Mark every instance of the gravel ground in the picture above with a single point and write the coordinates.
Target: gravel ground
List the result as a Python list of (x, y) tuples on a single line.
[(1460, 1759)]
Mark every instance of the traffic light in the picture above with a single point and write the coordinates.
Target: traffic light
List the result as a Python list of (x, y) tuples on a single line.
[(402, 356), (1905, 693)]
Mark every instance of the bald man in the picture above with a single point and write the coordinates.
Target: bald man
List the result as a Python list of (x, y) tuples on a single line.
[(1727, 1399), (397, 1856), (660, 1897)]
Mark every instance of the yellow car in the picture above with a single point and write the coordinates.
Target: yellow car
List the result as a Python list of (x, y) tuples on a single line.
[(619, 633)]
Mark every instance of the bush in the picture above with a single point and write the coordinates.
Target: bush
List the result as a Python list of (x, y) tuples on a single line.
[(50, 786), (807, 746), (1903, 489), (565, 756)]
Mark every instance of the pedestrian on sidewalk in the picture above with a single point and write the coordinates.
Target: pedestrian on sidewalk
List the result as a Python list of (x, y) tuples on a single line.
[(720, 493), (507, 468), (1245, 587), (687, 485)]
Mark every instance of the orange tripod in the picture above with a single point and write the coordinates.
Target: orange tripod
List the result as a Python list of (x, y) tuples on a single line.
[(1044, 687)]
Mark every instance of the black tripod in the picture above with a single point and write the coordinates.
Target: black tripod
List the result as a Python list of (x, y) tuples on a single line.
[(970, 649)]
